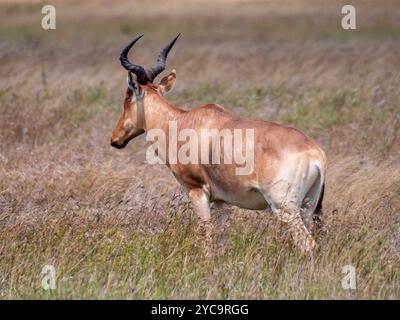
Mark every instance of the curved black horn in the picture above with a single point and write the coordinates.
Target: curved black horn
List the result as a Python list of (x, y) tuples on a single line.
[(161, 60), (140, 72)]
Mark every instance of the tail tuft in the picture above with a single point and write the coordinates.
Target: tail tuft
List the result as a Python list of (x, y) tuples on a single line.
[(317, 216)]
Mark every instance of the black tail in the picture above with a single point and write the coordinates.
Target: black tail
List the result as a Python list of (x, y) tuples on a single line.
[(317, 216)]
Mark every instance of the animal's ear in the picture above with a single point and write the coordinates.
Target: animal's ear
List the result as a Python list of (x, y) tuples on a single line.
[(167, 83)]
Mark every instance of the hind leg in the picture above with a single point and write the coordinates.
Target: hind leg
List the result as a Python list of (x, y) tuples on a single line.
[(312, 208), (317, 221), (300, 234), (285, 204)]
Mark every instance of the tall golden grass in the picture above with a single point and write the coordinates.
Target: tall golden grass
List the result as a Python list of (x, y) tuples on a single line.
[(116, 227)]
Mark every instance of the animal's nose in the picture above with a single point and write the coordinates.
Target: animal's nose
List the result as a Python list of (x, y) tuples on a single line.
[(114, 143)]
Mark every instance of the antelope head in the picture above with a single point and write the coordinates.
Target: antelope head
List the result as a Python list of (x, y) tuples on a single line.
[(140, 81)]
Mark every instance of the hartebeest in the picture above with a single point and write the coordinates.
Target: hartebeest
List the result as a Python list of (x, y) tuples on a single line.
[(289, 168)]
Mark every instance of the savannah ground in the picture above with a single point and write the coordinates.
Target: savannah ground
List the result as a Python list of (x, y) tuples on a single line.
[(114, 226)]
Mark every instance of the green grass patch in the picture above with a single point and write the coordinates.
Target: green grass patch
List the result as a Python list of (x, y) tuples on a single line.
[(109, 260)]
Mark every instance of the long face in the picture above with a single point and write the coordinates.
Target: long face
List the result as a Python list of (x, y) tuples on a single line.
[(128, 125), (131, 122)]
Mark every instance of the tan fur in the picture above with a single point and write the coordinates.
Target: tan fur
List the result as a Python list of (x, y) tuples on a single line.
[(287, 164)]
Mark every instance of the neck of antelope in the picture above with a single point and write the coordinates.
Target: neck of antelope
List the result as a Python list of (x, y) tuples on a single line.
[(161, 115), (158, 112)]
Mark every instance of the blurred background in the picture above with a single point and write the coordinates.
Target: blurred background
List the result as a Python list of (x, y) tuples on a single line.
[(116, 227)]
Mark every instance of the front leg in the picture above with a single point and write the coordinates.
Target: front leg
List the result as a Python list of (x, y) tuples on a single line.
[(201, 206), (224, 213)]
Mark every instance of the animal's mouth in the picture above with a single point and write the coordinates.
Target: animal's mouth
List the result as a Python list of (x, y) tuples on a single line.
[(118, 145)]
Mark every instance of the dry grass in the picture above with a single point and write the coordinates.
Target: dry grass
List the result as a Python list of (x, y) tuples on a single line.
[(115, 227)]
